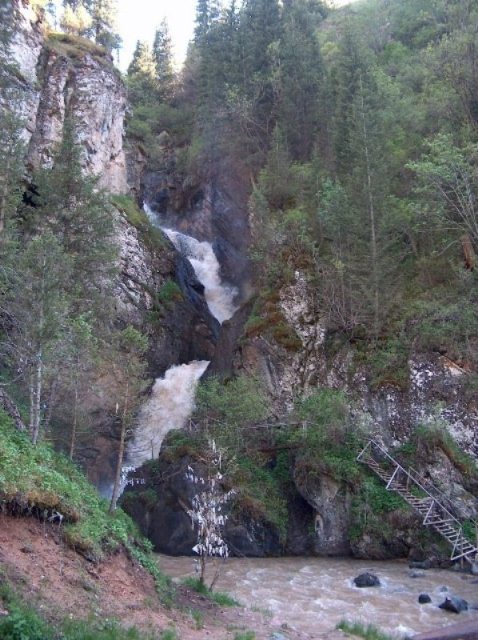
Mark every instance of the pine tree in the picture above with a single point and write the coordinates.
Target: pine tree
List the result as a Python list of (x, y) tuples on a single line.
[(207, 12), (104, 16), (163, 57), (142, 80), (77, 21), (70, 205), (11, 126), (300, 77)]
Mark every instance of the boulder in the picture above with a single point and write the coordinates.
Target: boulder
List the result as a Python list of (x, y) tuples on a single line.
[(424, 598), (366, 580), (454, 604)]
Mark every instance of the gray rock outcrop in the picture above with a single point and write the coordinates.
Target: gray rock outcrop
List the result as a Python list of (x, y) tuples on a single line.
[(57, 76)]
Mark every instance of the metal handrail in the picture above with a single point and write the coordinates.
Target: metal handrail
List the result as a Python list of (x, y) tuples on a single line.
[(373, 443)]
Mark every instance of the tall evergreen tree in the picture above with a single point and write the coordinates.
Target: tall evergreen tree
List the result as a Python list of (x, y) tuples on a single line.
[(142, 80), (300, 76), (70, 205), (104, 23), (163, 57)]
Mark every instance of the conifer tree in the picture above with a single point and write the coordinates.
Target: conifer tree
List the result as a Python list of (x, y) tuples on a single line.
[(11, 144), (163, 58), (70, 205), (104, 23), (142, 80), (77, 20)]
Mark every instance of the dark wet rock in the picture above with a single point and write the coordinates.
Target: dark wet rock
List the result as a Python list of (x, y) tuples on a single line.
[(160, 509), (424, 598), (454, 604), (366, 580), (443, 589)]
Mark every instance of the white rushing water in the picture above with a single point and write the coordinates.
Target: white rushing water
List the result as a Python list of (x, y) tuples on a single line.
[(172, 397), (169, 406), (219, 295), (312, 595)]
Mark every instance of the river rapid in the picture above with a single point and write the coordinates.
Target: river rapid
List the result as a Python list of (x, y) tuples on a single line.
[(313, 594)]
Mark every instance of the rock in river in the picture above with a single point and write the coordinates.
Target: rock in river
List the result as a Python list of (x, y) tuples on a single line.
[(366, 580), (454, 604)]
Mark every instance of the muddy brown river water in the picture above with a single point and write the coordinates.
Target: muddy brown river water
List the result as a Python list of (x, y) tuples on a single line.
[(314, 594)]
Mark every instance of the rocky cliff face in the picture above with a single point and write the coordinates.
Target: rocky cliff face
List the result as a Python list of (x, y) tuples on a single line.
[(58, 76), (436, 389)]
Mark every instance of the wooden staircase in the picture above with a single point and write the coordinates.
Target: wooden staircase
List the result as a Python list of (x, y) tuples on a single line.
[(422, 496)]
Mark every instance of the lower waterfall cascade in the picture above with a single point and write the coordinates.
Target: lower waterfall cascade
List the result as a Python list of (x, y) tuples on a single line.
[(169, 406)]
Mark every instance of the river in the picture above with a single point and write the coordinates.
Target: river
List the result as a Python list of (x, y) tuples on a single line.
[(313, 594)]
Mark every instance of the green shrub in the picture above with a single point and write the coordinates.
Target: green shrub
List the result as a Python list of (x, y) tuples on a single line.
[(23, 623), (152, 237), (75, 48), (169, 292)]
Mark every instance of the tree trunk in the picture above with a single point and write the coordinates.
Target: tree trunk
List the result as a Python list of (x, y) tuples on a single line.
[(37, 399), (4, 196), (373, 222), (119, 462), (75, 422), (11, 409)]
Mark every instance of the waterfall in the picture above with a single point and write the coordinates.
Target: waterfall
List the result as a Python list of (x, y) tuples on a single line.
[(172, 397), (219, 295), (169, 406)]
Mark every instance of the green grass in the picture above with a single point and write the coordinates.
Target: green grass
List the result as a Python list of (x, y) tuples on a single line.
[(75, 48), (219, 597), (24, 623), (368, 632), (37, 480), (163, 583), (245, 635)]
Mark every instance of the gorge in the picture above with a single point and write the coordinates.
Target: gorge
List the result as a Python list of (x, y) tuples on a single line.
[(270, 250)]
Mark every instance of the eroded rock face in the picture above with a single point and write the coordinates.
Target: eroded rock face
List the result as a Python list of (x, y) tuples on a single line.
[(57, 79), (436, 392), (181, 329)]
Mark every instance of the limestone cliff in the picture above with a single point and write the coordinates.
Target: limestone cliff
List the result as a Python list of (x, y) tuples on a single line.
[(59, 76)]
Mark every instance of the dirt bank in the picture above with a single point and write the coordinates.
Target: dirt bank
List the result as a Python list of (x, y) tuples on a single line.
[(60, 583)]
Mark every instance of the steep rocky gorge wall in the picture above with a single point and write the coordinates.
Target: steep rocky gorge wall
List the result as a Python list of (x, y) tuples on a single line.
[(57, 77), (434, 392)]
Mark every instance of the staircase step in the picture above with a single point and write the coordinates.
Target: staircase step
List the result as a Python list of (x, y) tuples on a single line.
[(436, 516)]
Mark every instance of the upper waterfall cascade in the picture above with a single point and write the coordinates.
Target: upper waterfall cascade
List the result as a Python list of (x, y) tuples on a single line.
[(219, 295)]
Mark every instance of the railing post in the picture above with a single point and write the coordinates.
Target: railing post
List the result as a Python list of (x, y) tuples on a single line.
[(393, 476), (430, 509)]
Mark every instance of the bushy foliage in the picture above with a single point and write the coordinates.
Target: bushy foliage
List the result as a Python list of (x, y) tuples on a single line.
[(35, 479)]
